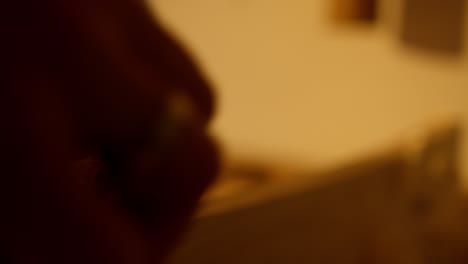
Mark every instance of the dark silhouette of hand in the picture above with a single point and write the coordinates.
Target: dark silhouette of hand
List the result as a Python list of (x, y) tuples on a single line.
[(100, 164)]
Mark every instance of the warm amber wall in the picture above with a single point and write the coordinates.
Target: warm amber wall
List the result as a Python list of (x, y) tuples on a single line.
[(294, 85)]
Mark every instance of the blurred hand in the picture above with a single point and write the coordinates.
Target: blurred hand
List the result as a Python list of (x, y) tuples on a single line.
[(87, 175)]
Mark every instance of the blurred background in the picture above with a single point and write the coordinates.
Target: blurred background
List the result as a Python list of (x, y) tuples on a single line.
[(353, 113), (321, 81)]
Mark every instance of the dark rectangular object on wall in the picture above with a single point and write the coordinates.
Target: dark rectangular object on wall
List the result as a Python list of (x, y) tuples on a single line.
[(355, 10), (434, 25)]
